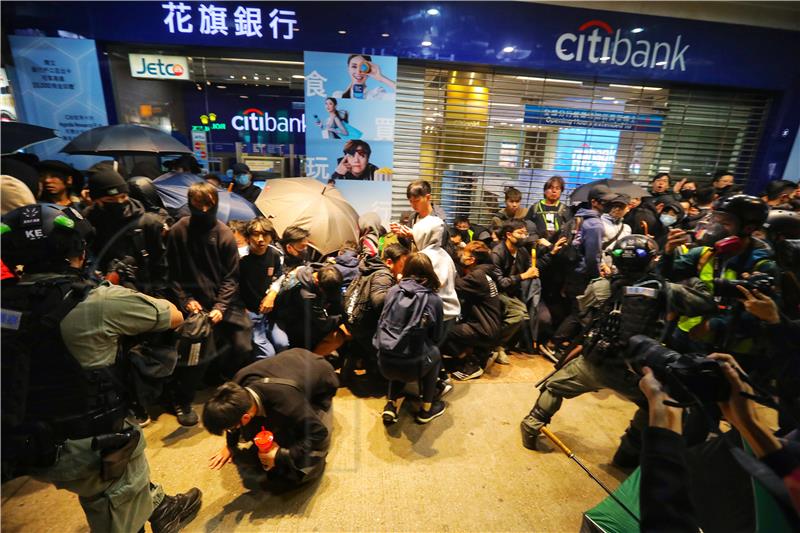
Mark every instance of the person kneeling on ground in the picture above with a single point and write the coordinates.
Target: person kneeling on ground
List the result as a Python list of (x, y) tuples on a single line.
[(291, 395), (409, 329)]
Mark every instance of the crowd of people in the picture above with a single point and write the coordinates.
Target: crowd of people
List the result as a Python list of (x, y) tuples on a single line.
[(185, 302)]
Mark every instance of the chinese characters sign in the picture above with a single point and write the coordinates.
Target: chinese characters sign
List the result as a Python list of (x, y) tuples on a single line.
[(586, 118), (223, 19), (59, 83)]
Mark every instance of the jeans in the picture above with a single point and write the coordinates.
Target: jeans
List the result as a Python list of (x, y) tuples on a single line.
[(268, 338)]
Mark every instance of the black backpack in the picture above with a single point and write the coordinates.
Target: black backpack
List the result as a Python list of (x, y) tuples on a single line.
[(357, 300)]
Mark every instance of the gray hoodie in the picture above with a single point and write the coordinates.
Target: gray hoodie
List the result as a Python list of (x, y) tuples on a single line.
[(428, 234)]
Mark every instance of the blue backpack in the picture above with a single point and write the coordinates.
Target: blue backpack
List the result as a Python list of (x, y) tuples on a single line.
[(404, 321)]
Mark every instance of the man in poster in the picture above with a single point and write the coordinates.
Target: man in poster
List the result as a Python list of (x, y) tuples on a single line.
[(355, 164)]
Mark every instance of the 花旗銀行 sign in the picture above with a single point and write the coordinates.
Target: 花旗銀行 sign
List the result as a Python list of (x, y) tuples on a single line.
[(159, 67), (243, 21), (584, 118)]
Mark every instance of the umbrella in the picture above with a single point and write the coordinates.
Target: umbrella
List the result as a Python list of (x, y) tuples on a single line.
[(173, 191), (125, 139), (18, 135), (581, 194), (308, 203)]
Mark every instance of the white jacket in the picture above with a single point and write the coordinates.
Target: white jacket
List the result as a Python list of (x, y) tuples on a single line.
[(428, 233)]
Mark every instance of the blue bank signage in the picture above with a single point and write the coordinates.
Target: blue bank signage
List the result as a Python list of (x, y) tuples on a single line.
[(584, 118)]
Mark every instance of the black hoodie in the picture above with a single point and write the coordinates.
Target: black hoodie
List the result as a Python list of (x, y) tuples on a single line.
[(480, 304), (303, 311)]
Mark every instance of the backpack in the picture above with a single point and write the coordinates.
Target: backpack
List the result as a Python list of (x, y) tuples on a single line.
[(404, 321), (357, 300)]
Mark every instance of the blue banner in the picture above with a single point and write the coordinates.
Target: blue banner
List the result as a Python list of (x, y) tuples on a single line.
[(59, 88), (350, 114), (585, 154), (585, 118)]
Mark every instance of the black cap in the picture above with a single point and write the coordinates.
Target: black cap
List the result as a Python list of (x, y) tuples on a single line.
[(106, 182), (620, 199), (240, 168), (601, 193), (59, 167)]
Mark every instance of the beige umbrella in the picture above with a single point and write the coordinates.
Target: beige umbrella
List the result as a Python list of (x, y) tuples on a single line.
[(310, 204)]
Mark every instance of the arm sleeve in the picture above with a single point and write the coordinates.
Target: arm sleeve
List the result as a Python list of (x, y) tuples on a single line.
[(229, 259), (504, 283), (175, 264), (129, 313), (310, 436), (381, 283), (593, 250), (664, 490)]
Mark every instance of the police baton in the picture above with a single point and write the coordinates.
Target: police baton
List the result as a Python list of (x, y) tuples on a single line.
[(569, 453)]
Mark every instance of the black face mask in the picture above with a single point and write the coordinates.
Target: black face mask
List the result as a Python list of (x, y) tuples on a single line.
[(687, 194), (203, 220), (723, 190), (114, 210)]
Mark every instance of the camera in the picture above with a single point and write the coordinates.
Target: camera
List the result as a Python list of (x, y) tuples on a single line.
[(688, 378), (726, 288)]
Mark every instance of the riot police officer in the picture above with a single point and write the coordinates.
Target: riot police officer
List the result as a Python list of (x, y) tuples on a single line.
[(63, 409)]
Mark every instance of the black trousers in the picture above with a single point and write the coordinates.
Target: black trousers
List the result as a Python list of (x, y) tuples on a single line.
[(427, 384)]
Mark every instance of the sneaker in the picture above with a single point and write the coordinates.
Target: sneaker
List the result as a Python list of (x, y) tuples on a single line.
[(389, 414), (174, 512), (469, 371), (444, 386), (437, 409), (548, 352), (502, 356), (140, 416), (186, 415)]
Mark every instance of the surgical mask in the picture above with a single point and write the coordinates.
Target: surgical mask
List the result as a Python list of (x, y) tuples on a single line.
[(242, 179), (668, 220), (687, 194), (203, 220)]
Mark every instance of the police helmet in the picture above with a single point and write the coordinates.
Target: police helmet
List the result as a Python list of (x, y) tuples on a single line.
[(41, 237), (634, 253), (749, 211), (782, 223)]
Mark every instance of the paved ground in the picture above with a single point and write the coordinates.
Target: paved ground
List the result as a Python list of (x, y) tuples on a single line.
[(465, 471)]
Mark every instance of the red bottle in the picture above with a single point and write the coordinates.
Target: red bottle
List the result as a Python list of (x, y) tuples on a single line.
[(264, 440)]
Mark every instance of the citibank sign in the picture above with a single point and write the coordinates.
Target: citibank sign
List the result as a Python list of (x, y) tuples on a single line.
[(605, 46), (254, 119)]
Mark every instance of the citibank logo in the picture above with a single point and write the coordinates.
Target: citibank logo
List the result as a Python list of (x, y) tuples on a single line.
[(609, 47), (256, 120)]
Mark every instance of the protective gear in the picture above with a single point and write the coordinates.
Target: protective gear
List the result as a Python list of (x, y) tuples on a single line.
[(633, 253), (243, 180), (688, 194), (749, 211), (41, 237), (668, 220), (709, 234), (38, 368), (203, 220), (729, 246), (782, 223)]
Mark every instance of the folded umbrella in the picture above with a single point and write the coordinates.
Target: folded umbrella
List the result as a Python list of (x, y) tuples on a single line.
[(17, 135), (173, 190), (125, 139), (312, 205), (581, 194)]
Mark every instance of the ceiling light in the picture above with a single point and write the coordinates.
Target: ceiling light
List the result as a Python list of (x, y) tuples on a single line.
[(280, 79), (637, 30), (222, 86), (244, 77), (232, 76), (608, 98), (342, 32), (616, 101), (605, 58), (550, 80), (426, 43), (661, 63), (634, 87), (208, 82), (269, 61), (298, 76), (267, 78), (508, 49), (433, 12), (296, 29), (384, 34), (243, 96)]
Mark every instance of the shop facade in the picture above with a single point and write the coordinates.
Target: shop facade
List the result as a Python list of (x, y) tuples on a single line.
[(488, 94)]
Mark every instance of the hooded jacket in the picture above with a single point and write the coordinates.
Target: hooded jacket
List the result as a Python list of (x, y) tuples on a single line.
[(347, 264), (590, 242), (481, 307), (428, 233), (371, 230), (382, 280)]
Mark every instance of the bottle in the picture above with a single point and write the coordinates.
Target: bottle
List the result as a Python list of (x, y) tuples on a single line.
[(264, 440)]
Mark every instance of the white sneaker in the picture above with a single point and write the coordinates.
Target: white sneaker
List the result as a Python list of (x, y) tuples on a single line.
[(502, 356)]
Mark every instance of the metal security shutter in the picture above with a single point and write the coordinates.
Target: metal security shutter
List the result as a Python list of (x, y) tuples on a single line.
[(463, 128)]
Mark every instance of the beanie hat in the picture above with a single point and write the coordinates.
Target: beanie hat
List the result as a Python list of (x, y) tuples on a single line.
[(106, 182)]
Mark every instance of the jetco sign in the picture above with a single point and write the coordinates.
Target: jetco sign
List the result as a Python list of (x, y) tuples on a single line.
[(256, 120), (159, 67), (611, 47)]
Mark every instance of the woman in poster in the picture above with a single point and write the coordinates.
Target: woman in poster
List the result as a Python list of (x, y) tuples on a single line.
[(334, 127), (361, 68)]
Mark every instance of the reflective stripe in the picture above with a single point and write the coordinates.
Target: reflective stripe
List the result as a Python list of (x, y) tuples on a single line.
[(706, 275)]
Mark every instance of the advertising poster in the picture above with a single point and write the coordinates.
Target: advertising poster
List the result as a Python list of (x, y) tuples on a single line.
[(59, 87), (350, 114), (586, 155)]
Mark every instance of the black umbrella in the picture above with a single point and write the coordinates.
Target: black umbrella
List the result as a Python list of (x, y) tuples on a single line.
[(581, 194), (125, 139), (17, 135)]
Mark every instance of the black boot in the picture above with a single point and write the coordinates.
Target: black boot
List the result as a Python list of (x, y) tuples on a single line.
[(174, 512)]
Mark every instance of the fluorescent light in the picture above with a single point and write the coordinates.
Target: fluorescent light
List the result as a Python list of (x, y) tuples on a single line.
[(342, 32), (608, 98), (500, 104), (426, 43), (433, 12), (616, 101), (232, 76), (384, 34), (280, 79), (634, 87), (637, 30), (508, 49), (222, 86), (661, 63), (243, 96), (605, 58), (244, 77), (298, 76), (550, 80), (268, 61)]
